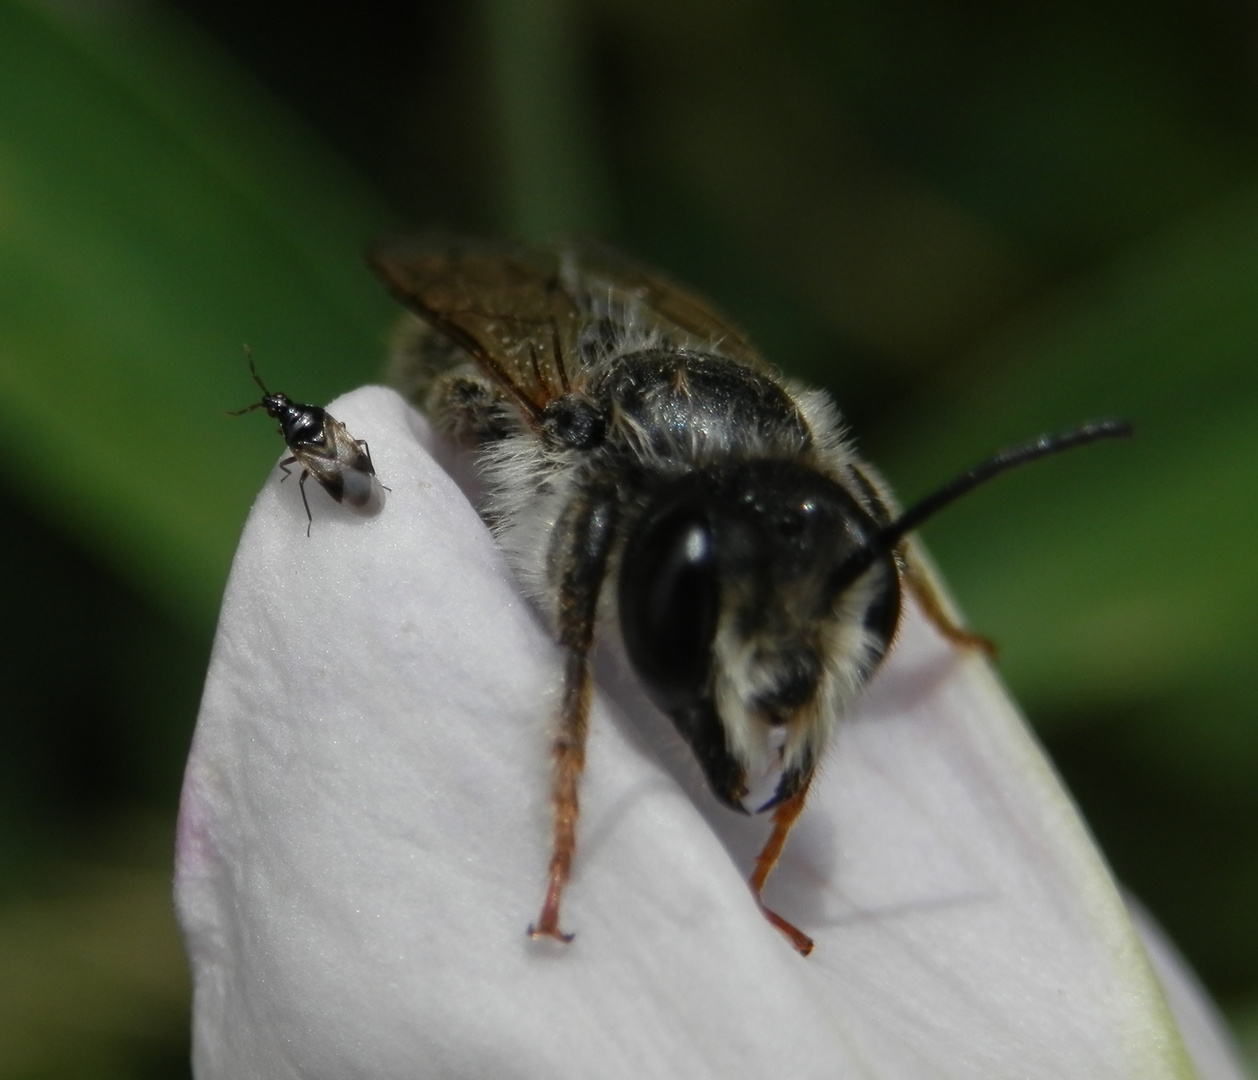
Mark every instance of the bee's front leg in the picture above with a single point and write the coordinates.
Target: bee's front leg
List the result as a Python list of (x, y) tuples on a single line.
[(784, 818), (586, 532)]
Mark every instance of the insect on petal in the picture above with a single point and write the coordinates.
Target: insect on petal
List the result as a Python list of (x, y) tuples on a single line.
[(365, 825)]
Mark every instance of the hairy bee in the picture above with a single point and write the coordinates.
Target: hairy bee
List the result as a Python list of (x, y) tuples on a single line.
[(324, 449), (644, 466)]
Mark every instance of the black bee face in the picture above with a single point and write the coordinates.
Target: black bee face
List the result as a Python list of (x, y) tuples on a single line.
[(738, 619)]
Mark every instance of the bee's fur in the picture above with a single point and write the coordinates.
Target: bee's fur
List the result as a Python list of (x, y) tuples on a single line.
[(644, 468), (531, 486)]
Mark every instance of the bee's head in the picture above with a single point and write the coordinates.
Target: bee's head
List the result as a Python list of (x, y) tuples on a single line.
[(756, 598), (739, 618)]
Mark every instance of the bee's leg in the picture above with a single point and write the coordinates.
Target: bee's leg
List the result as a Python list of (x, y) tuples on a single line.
[(418, 356), (468, 408), (587, 531), (569, 761), (434, 374), (936, 609), (784, 818), (305, 502)]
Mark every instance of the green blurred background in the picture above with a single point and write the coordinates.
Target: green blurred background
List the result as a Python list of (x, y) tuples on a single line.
[(970, 220)]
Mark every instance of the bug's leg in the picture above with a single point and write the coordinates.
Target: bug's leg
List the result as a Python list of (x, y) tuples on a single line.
[(367, 451), (936, 609), (588, 529), (302, 484), (284, 468), (784, 818)]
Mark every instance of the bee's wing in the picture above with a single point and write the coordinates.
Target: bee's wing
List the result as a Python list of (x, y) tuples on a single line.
[(503, 305), (532, 318), (609, 285)]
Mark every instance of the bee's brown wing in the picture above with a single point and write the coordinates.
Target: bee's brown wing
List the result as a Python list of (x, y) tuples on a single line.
[(609, 285), (504, 305), (532, 319)]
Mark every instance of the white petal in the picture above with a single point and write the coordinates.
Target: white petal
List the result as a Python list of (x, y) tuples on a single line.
[(365, 824), (1205, 1033)]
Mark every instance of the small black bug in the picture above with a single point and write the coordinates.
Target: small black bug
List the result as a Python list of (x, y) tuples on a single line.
[(324, 448)]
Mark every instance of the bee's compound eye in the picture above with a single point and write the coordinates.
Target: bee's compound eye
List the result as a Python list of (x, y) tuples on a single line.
[(668, 605)]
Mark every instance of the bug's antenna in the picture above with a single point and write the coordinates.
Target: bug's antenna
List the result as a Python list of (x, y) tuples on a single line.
[(888, 536), (256, 378)]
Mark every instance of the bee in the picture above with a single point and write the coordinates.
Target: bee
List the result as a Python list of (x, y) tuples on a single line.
[(646, 469), (325, 449)]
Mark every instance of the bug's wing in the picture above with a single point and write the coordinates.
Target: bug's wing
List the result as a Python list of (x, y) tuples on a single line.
[(339, 463), (609, 286), (503, 305)]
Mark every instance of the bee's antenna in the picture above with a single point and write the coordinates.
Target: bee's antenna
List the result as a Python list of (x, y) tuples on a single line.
[(889, 535)]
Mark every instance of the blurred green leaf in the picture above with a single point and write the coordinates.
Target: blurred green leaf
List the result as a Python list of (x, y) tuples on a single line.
[(1122, 571), (844, 179), (156, 211), (95, 981), (1120, 580), (1245, 1023), (552, 183)]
